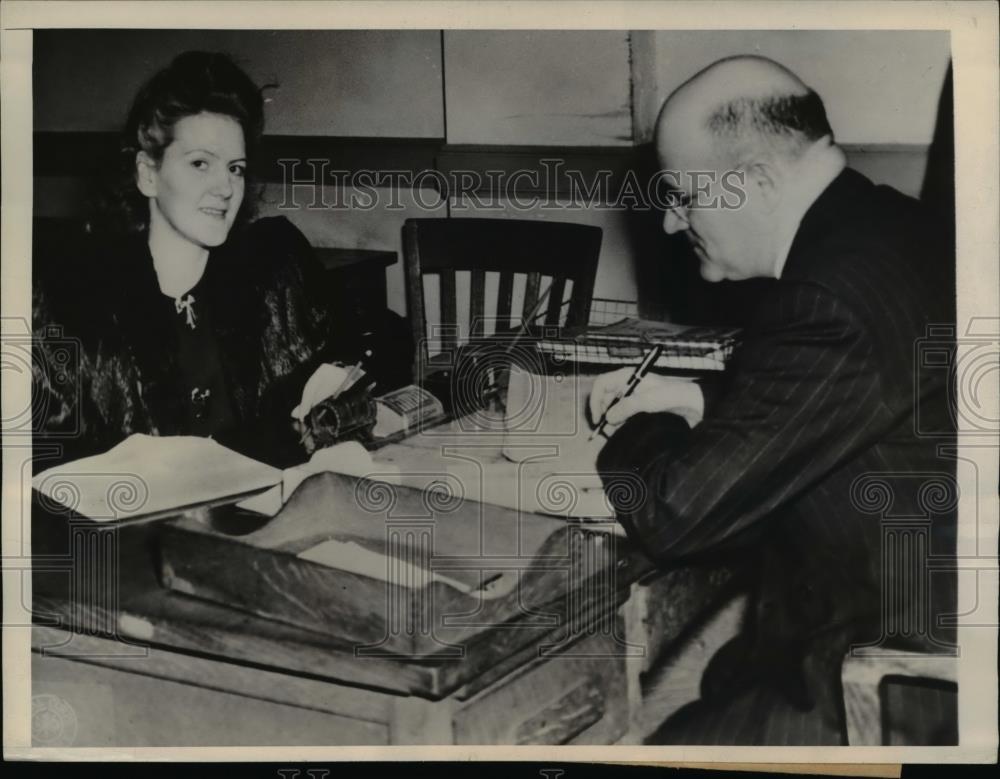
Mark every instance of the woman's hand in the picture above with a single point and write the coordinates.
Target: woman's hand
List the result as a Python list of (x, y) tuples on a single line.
[(654, 393), (325, 381)]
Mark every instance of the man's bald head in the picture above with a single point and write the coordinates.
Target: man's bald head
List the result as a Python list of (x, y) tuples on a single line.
[(743, 106), (744, 126)]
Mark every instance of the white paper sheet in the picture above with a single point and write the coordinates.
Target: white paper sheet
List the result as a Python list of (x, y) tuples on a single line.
[(150, 474)]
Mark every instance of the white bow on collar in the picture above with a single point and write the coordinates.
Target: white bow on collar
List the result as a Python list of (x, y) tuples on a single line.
[(184, 303)]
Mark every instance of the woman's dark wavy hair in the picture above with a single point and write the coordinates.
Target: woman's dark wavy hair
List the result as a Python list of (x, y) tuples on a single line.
[(195, 82)]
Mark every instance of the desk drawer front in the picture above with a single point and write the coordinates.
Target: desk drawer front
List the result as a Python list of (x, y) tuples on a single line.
[(577, 697), (114, 708)]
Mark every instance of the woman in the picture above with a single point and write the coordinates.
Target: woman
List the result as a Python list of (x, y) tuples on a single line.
[(195, 323)]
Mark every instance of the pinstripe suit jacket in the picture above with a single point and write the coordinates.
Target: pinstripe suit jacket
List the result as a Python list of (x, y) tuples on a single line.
[(812, 454)]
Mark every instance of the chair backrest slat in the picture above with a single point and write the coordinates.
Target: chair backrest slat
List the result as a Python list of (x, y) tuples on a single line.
[(449, 311), (477, 302), (531, 291), (555, 301), (505, 298), (534, 249)]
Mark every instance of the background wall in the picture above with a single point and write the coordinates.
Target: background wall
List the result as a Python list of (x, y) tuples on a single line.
[(419, 99), (367, 83), (879, 87), (543, 87)]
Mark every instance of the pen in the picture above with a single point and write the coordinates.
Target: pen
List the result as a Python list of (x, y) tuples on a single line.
[(527, 320), (493, 387), (633, 381), (352, 376)]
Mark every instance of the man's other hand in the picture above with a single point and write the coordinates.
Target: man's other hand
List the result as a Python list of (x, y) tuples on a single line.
[(655, 393)]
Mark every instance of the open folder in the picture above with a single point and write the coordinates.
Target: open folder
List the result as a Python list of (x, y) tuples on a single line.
[(149, 476)]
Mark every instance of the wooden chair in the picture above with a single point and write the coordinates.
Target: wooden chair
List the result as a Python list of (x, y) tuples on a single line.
[(862, 676), (555, 259)]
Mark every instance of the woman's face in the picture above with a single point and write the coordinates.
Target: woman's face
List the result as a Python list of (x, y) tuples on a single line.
[(198, 187)]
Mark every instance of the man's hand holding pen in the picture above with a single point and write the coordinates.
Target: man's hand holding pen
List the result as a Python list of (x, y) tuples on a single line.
[(654, 393)]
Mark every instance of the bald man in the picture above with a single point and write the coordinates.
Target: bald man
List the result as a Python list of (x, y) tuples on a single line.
[(816, 407)]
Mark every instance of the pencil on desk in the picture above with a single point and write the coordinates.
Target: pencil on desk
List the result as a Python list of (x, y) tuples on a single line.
[(633, 381)]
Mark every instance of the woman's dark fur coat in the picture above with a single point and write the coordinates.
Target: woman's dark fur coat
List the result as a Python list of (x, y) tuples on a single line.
[(104, 368)]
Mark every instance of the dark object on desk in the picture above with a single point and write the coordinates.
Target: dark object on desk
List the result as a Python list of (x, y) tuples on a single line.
[(526, 248), (346, 416)]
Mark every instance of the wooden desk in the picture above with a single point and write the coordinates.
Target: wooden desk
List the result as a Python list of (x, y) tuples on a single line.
[(121, 661)]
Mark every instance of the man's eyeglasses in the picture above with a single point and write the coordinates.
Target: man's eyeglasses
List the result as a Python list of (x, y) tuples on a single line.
[(679, 202)]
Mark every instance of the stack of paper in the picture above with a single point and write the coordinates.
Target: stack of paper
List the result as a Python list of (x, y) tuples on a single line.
[(151, 475)]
